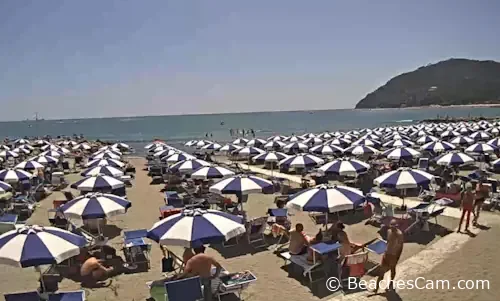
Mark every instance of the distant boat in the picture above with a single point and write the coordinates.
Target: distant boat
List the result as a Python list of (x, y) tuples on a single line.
[(35, 118)]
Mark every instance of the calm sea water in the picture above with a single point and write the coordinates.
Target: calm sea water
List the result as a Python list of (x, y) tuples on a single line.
[(176, 129)]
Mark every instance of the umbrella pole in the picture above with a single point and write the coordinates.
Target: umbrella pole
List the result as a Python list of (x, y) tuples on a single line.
[(42, 283)]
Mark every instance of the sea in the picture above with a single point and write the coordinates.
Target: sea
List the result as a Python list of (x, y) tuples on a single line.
[(137, 131)]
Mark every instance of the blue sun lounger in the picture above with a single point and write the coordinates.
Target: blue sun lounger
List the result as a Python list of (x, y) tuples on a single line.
[(135, 248), (184, 290), (377, 246), (34, 296), (7, 222)]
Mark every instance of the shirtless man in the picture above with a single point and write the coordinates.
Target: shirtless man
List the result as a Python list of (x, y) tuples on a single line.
[(482, 192), (395, 241), (92, 270), (201, 265), (467, 205), (298, 240)]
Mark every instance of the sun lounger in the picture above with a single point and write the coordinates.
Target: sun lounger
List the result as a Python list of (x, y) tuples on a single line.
[(184, 290), (255, 231), (301, 261), (135, 249), (92, 240), (172, 264), (377, 246), (7, 222), (422, 213), (34, 296)]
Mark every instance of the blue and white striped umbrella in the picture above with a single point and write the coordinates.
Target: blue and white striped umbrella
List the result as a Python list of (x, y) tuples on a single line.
[(188, 166), (98, 183), (229, 148), (462, 140), (312, 141), (345, 167), (339, 142), (480, 148), (202, 143), (36, 245), (107, 149), (256, 142), (426, 139), (398, 153), (438, 146), (21, 150), (106, 155), (49, 147), (211, 172), (274, 145), (295, 147), (494, 142), (155, 145), (105, 162), (326, 149), (121, 145), (50, 153), (404, 178), (348, 137), (325, 136), (82, 146), (494, 131), (463, 130), (14, 175), (177, 157), (270, 157), (242, 141), (248, 151), (29, 165), (103, 170), (95, 205), (4, 147), (212, 147), (398, 143), (276, 138), (291, 139), (165, 153), (449, 134), (326, 198), (242, 185), (396, 136), (8, 154), (496, 164), (361, 150), (190, 143), (21, 141), (480, 136), (45, 159), (454, 159), (195, 227), (371, 136), (301, 161), (5, 187), (367, 142)]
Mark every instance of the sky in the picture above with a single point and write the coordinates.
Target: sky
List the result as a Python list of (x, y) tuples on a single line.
[(94, 58)]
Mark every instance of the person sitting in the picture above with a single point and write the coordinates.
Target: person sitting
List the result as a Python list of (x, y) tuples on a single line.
[(317, 239), (93, 271), (187, 254), (335, 230), (299, 241)]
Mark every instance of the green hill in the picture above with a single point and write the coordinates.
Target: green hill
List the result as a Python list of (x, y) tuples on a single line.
[(450, 82)]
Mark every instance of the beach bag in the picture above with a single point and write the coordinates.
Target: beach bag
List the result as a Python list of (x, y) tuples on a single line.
[(167, 264)]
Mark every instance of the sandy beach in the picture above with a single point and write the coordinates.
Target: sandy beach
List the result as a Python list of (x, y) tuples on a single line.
[(477, 257)]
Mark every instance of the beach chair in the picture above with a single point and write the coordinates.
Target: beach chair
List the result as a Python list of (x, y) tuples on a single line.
[(68, 195), (172, 264), (423, 164), (377, 246), (135, 249), (278, 216), (92, 240), (308, 267), (422, 213), (283, 234), (25, 296), (379, 210), (184, 290), (65, 167), (255, 231), (7, 222), (35, 296)]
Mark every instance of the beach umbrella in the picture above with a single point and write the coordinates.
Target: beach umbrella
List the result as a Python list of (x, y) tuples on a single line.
[(438, 146), (21, 141), (345, 167), (493, 131), (312, 141), (41, 142), (454, 158), (307, 135), (348, 137), (98, 183), (95, 205), (8, 154), (63, 150), (188, 166), (480, 136), (399, 153), (248, 151), (69, 143), (371, 136), (326, 149), (105, 162), (274, 144), (270, 157), (325, 136), (49, 147), (256, 142), (240, 141), (396, 136), (26, 146), (45, 160), (326, 198), (398, 143), (230, 148), (295, 147), (5, 187), (404, 178), (360, 150), (339, 142), (19, 150), (50, 153), (190, 143), (108, 150), (35, 245), (105, 155), (449, 134), (165, 153), (211, 147), (463, 130), (211, 172), (82, 146), (462, 140), (103, 170), (14, 175), (121, 145), (159, 148), (291, 139), (242, 185), (195, 227), (367, 142), (156, 144), (494, 142), (4, 147), (301, 161), (338, 134), (276, 138), (480, 148), (202, 143), (29, 165), (426, 139), (177, 157), (496, 164)]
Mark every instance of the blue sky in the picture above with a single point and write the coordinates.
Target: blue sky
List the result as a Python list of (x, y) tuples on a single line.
[(99, 58)]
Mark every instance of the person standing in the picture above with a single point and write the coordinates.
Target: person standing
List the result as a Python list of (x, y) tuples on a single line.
[(467, 205), (482, 193), (395, 242)]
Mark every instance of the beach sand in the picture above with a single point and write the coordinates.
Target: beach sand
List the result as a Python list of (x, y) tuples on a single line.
[(274, 282)]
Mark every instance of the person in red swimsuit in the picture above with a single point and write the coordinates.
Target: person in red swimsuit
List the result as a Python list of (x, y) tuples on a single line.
[(467, 205)]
